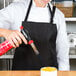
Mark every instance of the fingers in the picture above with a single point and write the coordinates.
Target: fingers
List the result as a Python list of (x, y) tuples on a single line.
[(18, 39), (15, 37), (12, 43), (22, 37), (16, 43)]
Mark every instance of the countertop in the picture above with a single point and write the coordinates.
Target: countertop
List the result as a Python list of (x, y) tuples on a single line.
[(34, 73)]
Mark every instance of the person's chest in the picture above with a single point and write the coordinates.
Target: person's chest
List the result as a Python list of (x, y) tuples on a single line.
[(36, 14)]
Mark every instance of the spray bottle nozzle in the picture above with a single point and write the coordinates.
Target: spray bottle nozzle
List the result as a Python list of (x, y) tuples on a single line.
[(30, 42), (21, 27)]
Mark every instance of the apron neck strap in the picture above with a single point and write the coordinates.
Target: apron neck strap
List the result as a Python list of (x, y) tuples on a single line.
[(52, 13), (28, 10)]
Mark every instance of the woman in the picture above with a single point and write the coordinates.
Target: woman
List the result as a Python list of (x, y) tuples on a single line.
[(46, 25)]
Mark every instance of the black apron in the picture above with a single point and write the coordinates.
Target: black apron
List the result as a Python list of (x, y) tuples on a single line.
[(44, 36)]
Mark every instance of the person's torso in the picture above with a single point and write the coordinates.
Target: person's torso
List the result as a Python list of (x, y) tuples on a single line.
[(44, 36)]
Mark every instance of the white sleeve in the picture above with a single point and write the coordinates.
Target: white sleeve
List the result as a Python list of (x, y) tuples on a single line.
[(62, 46), (6, 15)]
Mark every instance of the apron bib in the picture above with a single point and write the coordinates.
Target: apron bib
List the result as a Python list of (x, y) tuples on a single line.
[(44, 36)]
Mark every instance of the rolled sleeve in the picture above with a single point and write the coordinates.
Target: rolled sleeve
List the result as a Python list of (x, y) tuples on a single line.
[(62, 46)]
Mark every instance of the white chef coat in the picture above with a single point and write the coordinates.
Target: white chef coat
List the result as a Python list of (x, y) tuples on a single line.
[(12, 16)]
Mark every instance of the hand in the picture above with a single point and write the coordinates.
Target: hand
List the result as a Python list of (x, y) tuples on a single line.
[(15, 37)]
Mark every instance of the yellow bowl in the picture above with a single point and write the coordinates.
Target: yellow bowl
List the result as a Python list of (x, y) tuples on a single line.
[(48, 71)]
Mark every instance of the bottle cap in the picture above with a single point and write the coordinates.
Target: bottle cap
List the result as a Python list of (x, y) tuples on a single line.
[(31, 41), (21, 27)]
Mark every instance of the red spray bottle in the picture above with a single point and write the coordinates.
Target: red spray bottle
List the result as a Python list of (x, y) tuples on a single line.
[(4, 47)]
